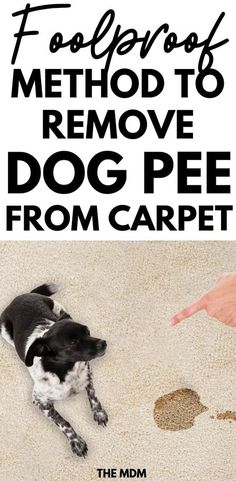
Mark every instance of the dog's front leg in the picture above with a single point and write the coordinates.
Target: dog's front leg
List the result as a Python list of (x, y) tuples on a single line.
[(77, 444), (99, 414)]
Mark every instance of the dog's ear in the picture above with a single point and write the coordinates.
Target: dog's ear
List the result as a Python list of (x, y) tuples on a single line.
[(38, 348)]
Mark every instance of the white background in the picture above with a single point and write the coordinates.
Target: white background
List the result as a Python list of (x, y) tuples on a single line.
[(213, 120)]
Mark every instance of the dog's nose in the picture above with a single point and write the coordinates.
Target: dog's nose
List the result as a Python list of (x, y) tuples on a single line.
[(101, 344)]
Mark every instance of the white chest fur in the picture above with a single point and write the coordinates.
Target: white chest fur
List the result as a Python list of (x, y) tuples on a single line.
[(48, 386)]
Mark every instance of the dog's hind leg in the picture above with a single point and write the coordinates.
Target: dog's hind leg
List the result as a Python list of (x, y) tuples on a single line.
[(77, 444), (99, 414)]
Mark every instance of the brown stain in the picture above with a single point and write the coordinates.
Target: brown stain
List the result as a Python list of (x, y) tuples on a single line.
[(227, 416), (177, 410)]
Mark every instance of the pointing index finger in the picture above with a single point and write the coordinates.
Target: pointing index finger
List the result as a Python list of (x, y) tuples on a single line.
[(187, 312)]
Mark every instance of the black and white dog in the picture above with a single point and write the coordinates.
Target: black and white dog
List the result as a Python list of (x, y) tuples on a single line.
[(57, 352)]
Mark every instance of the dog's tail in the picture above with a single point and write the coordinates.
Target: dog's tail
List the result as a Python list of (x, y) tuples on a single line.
[(46, 289)]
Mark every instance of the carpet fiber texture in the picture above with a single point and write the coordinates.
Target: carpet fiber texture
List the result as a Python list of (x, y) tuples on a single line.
[(125, 292)]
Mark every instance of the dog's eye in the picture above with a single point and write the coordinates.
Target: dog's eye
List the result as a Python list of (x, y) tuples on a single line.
[(73, 341)]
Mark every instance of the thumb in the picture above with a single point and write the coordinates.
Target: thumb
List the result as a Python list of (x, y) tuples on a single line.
[(187, 312)]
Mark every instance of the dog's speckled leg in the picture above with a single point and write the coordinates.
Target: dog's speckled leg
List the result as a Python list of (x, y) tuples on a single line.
[(99, 414), (77, 444)]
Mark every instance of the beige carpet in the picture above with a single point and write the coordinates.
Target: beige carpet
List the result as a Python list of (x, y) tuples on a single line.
[(125, 292)]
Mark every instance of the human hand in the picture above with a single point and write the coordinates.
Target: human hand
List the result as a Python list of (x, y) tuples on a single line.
[(219, 302)]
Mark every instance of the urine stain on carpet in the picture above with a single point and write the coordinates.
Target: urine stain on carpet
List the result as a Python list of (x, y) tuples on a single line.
[(177, 410), (226, 416)]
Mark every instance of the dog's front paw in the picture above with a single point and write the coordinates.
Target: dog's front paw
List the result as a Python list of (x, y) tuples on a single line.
[(79, 447), (101, 417)]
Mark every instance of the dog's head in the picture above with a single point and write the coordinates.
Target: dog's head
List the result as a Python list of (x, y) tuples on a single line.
[(66, 341)]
